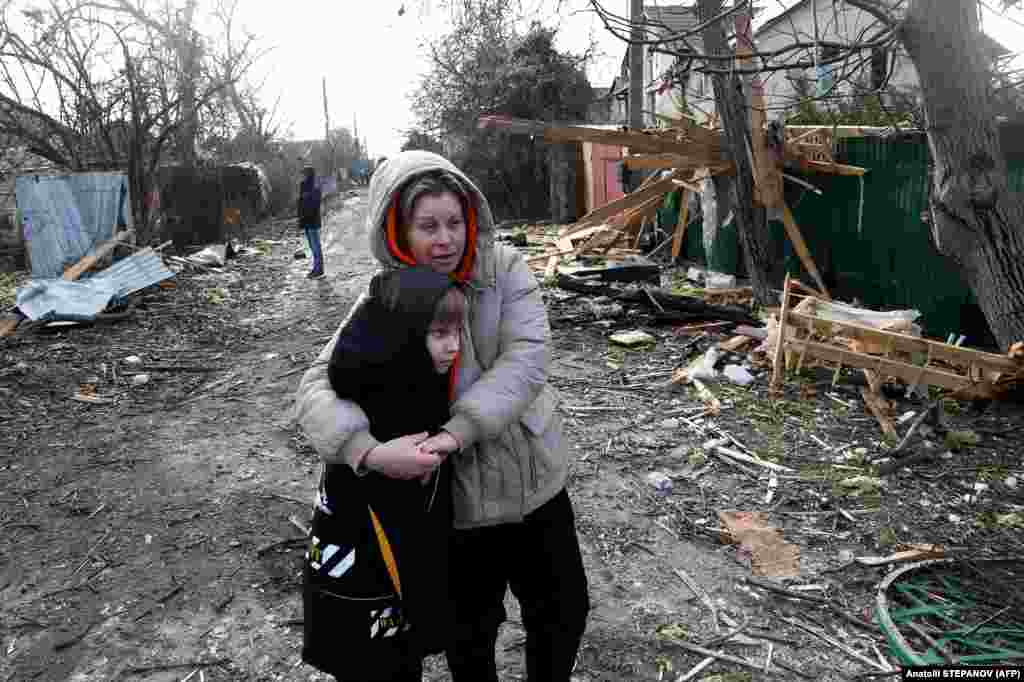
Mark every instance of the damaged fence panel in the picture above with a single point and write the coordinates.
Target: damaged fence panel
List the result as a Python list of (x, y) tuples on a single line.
[(59, 299), (65, 216)]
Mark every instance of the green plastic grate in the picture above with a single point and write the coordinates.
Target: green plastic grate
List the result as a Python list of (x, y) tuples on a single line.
[(953, 610)]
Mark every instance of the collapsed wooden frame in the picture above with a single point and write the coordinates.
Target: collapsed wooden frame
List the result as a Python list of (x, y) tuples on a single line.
[(946, 366)]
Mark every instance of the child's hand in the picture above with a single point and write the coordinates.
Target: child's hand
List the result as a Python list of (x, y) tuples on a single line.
[(402, 458)]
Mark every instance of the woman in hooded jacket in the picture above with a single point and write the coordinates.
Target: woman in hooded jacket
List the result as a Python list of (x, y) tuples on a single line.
[(513, 521)]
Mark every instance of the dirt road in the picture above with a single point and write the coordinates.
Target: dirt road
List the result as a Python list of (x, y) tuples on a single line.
[(148, 537)]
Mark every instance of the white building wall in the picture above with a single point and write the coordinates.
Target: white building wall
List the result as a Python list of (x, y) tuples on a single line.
[(837, 22)]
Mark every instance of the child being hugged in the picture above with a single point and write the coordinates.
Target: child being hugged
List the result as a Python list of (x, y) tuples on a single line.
[(376, 577)]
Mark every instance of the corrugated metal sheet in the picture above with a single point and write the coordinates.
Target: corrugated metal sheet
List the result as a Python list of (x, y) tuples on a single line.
[(57, 299), (65, 216), (136, 272)]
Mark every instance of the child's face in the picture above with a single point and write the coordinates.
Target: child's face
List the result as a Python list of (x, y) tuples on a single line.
[(443, 345)]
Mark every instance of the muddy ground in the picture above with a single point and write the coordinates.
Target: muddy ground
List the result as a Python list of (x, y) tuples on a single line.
[(149, 537)]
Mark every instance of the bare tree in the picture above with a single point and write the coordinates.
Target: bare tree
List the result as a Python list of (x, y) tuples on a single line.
[(91, 84)]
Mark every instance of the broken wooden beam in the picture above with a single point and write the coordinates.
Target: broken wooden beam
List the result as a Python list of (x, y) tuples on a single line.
[(622, 204), (879, 407), (905, 371), (954, 355), (684, 218), (777, 362), (90, 260), (797, 238), (9, 324)]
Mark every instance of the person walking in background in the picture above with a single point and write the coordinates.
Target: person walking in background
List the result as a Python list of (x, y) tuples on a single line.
[(309, 219)]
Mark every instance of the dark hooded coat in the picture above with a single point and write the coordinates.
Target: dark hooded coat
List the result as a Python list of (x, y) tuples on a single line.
[(381, 363), (310, 197)]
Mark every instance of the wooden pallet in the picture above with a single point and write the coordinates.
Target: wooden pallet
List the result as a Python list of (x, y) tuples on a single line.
[(947, 366)]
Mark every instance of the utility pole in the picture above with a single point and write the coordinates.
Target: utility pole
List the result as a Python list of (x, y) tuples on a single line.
[(327, 133), (355, 133), (636, 65)]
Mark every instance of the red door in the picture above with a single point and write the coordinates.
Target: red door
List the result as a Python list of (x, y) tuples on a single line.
[(604, 161)]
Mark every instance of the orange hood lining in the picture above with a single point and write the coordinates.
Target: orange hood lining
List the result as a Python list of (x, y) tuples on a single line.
[(465, 269)]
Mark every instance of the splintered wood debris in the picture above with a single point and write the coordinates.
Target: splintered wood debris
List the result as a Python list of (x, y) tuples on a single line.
[(686, 153)]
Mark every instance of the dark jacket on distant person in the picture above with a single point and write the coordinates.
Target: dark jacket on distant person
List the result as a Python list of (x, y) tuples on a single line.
[(309, 202)]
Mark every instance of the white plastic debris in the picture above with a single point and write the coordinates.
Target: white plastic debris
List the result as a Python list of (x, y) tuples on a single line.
[(1011, 482), (661, 483), (133, 360), (704, 366), (212, 256), (140, 380), (718, 280), (632, 339), (738, 375)]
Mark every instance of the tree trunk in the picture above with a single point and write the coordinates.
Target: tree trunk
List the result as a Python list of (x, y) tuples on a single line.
[(976, 221), (562, 181), (751, 218)]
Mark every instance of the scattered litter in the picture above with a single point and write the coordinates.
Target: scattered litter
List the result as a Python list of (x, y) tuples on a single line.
[(908, 552), (632, 339), (738, 375), (862, 485), (211, 256), (770, 555), (956, 440), (717, 280), (1011, 520), (133, 360), (1011, 482), (704, 366), (140, 380), (661, 483)]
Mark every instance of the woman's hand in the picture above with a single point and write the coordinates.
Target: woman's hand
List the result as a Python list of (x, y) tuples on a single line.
[(442, 444), (402, 458)]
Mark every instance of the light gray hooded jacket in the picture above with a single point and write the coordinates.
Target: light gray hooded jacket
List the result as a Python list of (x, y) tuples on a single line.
[(514, 454)]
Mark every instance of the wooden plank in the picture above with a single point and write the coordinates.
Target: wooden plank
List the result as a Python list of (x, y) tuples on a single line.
[(767, 175), (621, 204), (684, 218), (664, 161), (735, 343), (571, 251), (777, 369), (88, 261), (636, 142), (804, 134), (833, 168), (8, 325), (793, 231), (688, 186), (551, 268), (954, 355), (879, 406), (884, 366)]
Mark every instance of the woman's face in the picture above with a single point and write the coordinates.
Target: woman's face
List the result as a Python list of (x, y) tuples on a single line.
[(436, 232)]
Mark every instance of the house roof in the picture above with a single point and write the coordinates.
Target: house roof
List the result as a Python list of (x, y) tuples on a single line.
[(993, 48), (671, 18)]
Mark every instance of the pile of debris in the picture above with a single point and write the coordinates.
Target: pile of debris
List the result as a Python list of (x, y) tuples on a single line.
[(82, 295), (686, 153)]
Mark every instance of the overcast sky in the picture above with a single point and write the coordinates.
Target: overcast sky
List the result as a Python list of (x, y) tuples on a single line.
[(372, 57)]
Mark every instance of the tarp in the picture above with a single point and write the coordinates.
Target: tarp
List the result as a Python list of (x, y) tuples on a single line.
[(64, 217), (58, 299)]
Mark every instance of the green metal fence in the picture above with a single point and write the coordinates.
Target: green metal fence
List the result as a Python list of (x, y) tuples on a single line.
[(866, 235)]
